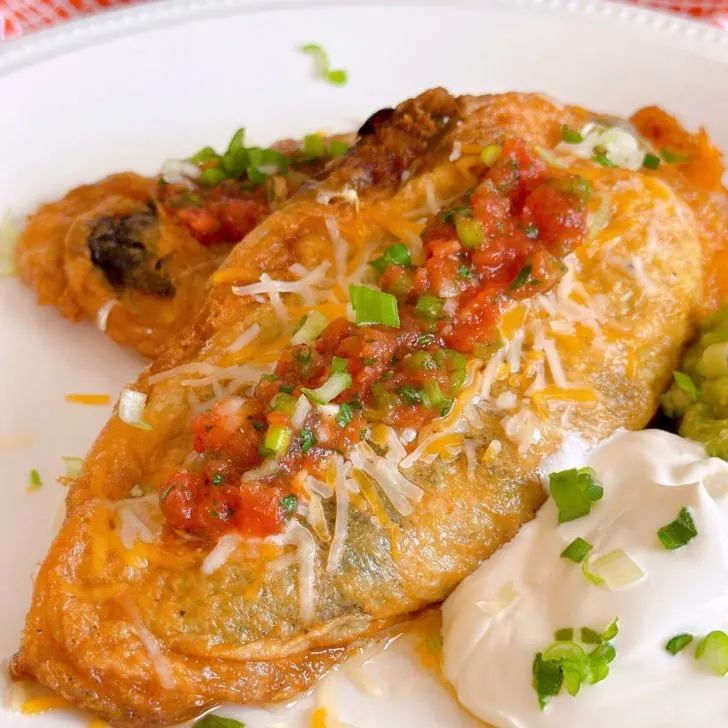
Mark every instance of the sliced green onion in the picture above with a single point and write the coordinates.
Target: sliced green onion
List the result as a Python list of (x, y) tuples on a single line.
[(331, 388), (593, 578), (673, 157), (490, 154), (453, 212), (433, 395), (339, 364), (612, 630), (713, 649), (590, 636), (314, 146), (566, 650), (308, 440), (374, 307), (522, 278), (35, 482), (573, 491), (470, 231), (651, 161), (571, 136), (617, 569), (217, 721), (686, 383), (206, 154), (73, 467), (547, 679), (676, 534), (337, 148), (600, 157), (410, 395), (283, 402), (429, 307), (577, 550), (277, 439), (310, 328), (715, 360), (337, 77), (212, 176), (464, 273), (566, 634), (397, 254), (345, 415), (678, 643), (237, 142), (131, 408)]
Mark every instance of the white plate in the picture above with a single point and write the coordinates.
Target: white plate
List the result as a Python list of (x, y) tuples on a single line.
[(128, 89)]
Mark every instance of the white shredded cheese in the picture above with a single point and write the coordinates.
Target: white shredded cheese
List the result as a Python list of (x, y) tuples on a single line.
[(491, 372), (554, 362), (160, 662), (432, 204), (469, 446), (347, 194), (522, 429), (223, 550), (245, 338), (179, 172), (306, 569), (341, 529), (340, 247), (456, 151), (301, 411)]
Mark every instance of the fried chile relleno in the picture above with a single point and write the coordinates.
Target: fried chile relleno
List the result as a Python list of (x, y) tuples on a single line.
[(377, 505), (125, 247)]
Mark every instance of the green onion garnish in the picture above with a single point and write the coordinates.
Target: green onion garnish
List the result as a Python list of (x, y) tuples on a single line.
[(547, 679), (612, 630), (673, 157), (337, 148), (429, 307), (331, 388), (237, 143), (470, 231), (617, 569), (562, 635), (398, 254), (577, 550), (410, 394), (73, 467), (686, 383), (277, 439), (314, 146), (283, 402), (464, 273), (571, 136), (573, 491), (600, 157), (374, 307), (339, 364), (678, 643), (336, 77), (288, 503), (453, 212), (590, 636), (713, 649), (217, 721), (35, 482), (206, 154), (651, 161), (309, 328), (676, 534), (212, 176)]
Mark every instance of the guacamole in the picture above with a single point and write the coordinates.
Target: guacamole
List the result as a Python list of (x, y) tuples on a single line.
[(699, 393)]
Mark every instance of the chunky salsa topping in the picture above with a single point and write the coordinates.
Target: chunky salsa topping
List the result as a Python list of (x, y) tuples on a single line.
[(236, 190), (402, 363)]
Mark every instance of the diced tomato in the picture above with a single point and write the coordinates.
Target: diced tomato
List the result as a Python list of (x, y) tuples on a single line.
[(369, 352), (559, 217), (333, 335), (259, 511)]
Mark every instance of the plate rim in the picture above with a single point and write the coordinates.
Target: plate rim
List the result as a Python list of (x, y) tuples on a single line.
[(147, 16)]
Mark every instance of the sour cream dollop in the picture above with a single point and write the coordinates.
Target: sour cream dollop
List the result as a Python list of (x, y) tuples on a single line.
[(508, 610)]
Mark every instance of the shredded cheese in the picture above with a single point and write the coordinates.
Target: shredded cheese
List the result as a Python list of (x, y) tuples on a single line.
[(44, 704), (306, 546), (245, 338), (102, 315), (341, 529), (223, 550)]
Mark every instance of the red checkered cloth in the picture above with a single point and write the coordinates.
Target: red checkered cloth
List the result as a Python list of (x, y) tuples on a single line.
[(19, 17)]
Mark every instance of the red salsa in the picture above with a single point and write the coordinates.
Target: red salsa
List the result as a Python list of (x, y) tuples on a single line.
[(504, 242)]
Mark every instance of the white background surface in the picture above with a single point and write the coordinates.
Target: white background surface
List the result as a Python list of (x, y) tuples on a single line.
[(123, 98)]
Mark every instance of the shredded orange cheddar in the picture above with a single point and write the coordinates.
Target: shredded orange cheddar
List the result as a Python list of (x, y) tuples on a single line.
[(92, 399), (512, 320), (230, 275), (98, 723), (583, 395), (44, 704), (318, 718), (395, 538)]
